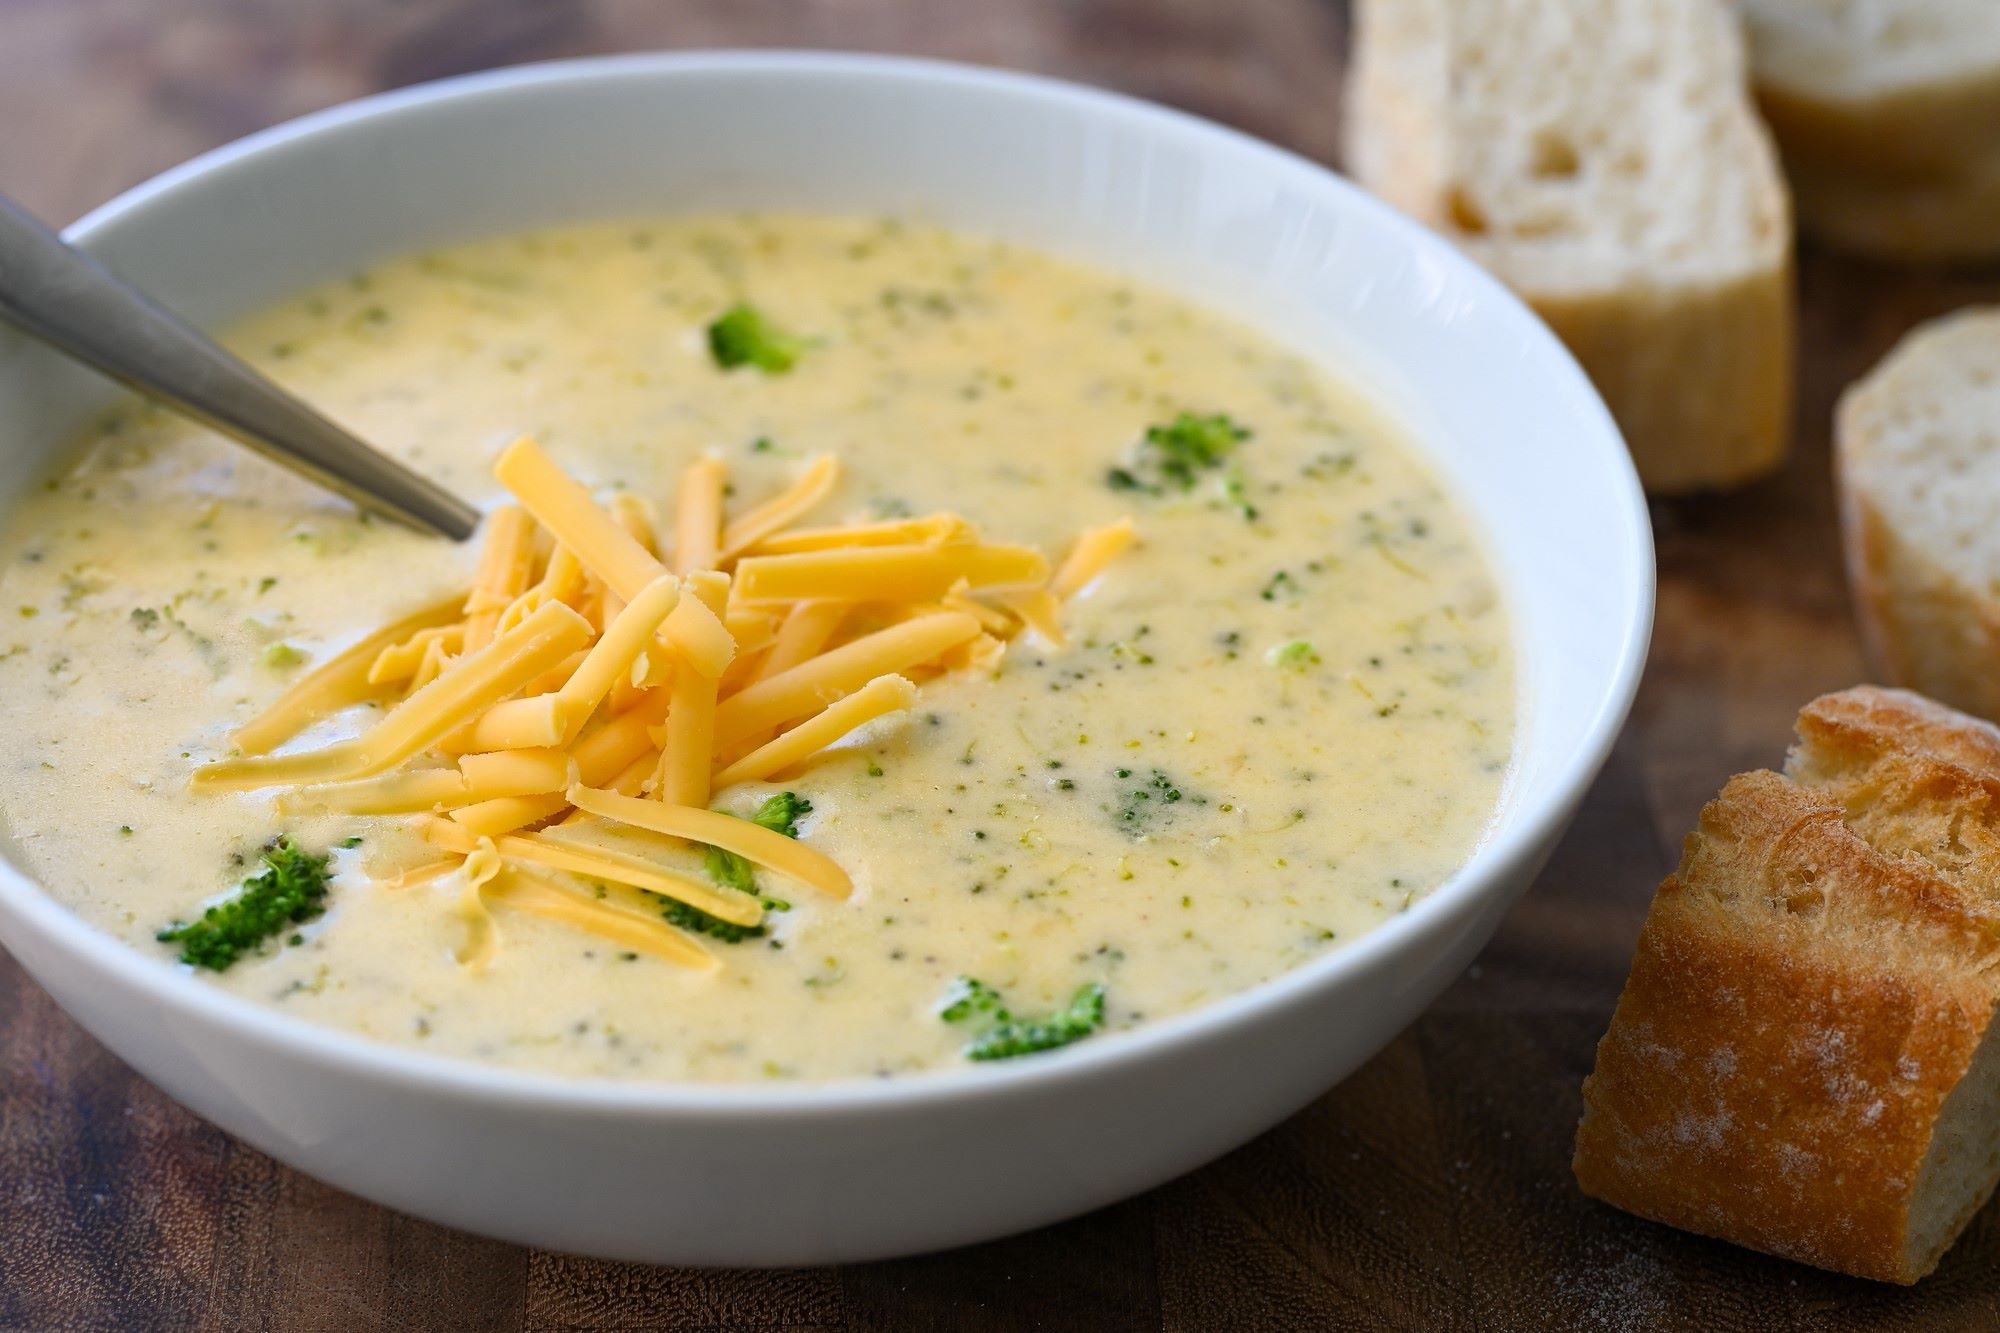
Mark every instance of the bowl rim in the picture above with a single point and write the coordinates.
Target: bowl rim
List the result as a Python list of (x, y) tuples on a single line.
[(1510, 845)]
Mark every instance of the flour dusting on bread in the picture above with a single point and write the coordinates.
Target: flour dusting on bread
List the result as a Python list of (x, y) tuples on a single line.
[(1802, 1061)]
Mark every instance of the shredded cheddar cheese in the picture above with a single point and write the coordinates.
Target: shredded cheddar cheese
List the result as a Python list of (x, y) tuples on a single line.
[(503, 574), (482, 937), (504, 814), (515, 772), (782, 510), (408, 792), (1086, 560), (698, 525), (565, 723), (545, 896), (884, 694), (339, 683), (750, 841), (682, 777), (803, 689), (935, 529), (886, 573)]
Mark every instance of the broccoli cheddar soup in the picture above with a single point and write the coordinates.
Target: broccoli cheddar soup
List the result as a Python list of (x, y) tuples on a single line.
[(884, 649)]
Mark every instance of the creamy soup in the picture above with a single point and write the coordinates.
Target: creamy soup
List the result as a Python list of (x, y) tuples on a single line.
[(1282, 716)]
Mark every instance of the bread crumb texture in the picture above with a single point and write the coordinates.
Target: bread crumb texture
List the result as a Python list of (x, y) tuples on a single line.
[(1918, 454), (1604, 159), (1801, 1061), (1886, 111)]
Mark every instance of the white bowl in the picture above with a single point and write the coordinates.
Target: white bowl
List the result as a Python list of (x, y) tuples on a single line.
[(859, 1170)]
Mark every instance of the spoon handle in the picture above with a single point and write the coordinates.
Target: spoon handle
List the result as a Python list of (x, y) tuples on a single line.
[(62, 296)]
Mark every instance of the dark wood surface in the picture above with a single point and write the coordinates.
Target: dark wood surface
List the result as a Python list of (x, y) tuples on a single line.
[(1431, 1190)]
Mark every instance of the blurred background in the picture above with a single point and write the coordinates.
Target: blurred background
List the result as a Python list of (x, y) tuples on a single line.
[(100, 94)]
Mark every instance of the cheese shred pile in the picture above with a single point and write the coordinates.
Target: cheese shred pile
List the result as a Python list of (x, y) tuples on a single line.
[(565, 723)]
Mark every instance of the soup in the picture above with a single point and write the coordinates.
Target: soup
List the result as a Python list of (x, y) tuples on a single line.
[(1279, 716)]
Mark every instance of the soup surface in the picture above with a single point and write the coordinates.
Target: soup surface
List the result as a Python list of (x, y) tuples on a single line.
[(1282, 716)]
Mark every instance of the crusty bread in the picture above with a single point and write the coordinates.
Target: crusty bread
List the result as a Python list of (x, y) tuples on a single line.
[(1803, 1060), (1888, 112), (1917, 451), (1943, 220), (1603, 158)]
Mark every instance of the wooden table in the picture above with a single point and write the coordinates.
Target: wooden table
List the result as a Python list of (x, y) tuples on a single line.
[(1431, 1190)]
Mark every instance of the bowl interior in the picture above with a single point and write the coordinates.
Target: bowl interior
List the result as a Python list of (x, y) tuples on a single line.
[(1231, 223)]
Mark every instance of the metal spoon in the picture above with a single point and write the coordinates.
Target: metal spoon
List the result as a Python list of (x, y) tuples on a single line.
[(67, 299)]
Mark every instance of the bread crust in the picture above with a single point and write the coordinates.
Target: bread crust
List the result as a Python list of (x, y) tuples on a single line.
[(1910, 173), (1697, 369), (1699, 378), (1924, 131), (1921, 625), (1854, 726), (1944, 219), (1799, 1009), (1891, 131)]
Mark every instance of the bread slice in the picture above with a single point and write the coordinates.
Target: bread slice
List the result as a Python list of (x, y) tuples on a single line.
[(1804, 1059), (1917, 455), (1603, 158), (1888, 113), (1943, 220)]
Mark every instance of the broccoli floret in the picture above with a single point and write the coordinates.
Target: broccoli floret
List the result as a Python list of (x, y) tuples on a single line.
[(1003, 1036), (744, 336), (1174, 456), (680, 914), (291, 890), (729, 870), (1189, 444), (969, 997), (780, 814)]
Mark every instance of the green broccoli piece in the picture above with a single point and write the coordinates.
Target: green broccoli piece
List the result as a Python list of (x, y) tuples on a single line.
[(1189, 444), (1296, 655), (1083, 1015), (1144, 803), (1003, 1036), (291, 890), (744, 336), (694, 919), (970, 996), (728, 869), (780, 814), (1175, 455)]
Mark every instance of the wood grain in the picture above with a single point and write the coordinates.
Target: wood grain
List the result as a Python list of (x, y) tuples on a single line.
[(1430, 1191)]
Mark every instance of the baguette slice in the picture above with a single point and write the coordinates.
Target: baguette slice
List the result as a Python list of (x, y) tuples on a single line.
[(1602, 157), (1917, 453), (1804, 1059), (1942, 220), (1888, 112)]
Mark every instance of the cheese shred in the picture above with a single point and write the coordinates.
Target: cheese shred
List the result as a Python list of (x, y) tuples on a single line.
[(564, 722)]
